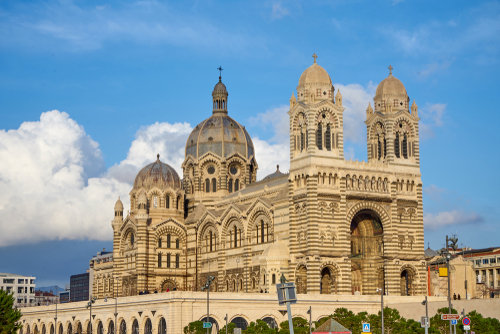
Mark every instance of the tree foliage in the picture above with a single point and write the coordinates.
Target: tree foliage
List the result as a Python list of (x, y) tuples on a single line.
[(195, 327), (9, 316)]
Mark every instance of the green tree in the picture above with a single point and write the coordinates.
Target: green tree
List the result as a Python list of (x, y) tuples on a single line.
[(230, 328), (483, 325), (9, 316), (349, 319), (195, 327), (443, 326), (259, 327), (300, 326)]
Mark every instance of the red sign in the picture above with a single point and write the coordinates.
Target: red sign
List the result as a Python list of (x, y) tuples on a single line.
[(466, 321), (450, 316)]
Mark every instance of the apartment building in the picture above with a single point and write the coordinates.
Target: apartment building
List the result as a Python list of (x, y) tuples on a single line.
[(23, 287)]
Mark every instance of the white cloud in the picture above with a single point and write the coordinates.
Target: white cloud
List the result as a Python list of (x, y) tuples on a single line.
[(451, 218), (278, 11), (435, 67), (432, 117), (53, 182), (275, 151), (355, 99)]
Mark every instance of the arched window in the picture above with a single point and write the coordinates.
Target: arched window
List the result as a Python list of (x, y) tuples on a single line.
[(159, 260), (178, 202), (396, 145), (262, 233), (235, 236), (319, 137), (135, 327), (274, 279), (328, 139), (100, 324), (405, 146), (301, 141), (100, 329), (148, 328), (230, 185), (210, 240), (155, 202), (162, 326), (89, 328), (159, 243), (236, 185), (78, 329), (214, 185), (379, 147), (207, 185), (123, 327), (111, 327), (177, 260), (168, 240), (167, 202), (177, 243)]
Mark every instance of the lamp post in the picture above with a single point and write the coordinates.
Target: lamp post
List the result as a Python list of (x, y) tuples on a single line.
[(207, 287), (382, 305), (89, 306), (310, 319), (116, 310), (426, 315)]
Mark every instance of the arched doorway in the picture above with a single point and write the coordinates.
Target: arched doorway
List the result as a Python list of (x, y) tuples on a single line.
[(135, 327), (70, 329), (100, 328), (407, 283), (240, 323), (162, 326), (79, 329), (168, 285), (328, 283), (111, 327), (148, 327), (301, 279), (367, 250), (215, 324), (271, 322), (123, 327)]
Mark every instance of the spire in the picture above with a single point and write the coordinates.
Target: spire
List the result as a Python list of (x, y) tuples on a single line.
[(414, 109), (338, 98), (369, 110), (292, 100)]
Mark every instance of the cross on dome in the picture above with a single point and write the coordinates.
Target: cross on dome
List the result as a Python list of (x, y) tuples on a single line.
[(220, 72), (390, 69), (314, 56)]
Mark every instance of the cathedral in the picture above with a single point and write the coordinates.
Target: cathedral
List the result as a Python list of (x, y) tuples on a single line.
[(330, 225)]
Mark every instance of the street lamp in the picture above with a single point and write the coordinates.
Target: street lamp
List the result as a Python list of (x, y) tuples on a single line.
[(426, 315), (381, 290), (210, 279), (446, 254), (89, 306), (116, 311)]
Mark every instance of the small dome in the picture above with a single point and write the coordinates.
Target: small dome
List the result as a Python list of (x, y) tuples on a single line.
[(391, 86), (315, 74), (157, 174), (221, 135), (274, 175), (119, 205), (142, 198), (278, 250), (220, 87)]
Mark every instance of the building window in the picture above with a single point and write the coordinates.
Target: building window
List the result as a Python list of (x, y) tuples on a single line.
[(214, 185), (168, 260), (485, 261), (207, 185), (159, 243), (235, 237), (159, 260), (177, 258), (230, 185), (405, 146), (155, 202), (493, 260), (319, 137), (177, 244), (478, 262), (168, 240), (274, 279), (328, 139), (396, 145), (236, 185)]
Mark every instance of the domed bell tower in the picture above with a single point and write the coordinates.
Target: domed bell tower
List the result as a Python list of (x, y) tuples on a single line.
[(219, 96), (392, 127)]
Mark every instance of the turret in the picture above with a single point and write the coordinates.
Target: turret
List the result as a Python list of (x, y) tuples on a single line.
[(414, 109), (369, 111), (338, 98), (118, 210), (292, 100)]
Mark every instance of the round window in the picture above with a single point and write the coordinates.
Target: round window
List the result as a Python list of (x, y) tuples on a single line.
[(233, 170), (211, 170)]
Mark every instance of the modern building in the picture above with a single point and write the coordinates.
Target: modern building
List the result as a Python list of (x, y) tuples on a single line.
[(332, 226), (23, 287), (487, 270), (79, 287), (64, 296)]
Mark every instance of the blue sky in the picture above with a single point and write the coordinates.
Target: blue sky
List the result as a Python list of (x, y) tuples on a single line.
[(90, 91)]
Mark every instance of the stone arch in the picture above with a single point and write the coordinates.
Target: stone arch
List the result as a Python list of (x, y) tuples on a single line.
[(335, 275), (254, 222), (301, 277), (403, 117), (172, 227), (232, 220), (204, 228), (409, 280), (378, 209)]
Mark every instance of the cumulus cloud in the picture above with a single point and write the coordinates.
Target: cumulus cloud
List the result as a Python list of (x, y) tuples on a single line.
[(355, 99), (53, 181), (275, 151), (451, 218)]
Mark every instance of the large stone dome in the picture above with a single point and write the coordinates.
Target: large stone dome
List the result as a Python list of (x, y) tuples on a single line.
[(314, 74), (221, 135), (391, 86), (157, 174)]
